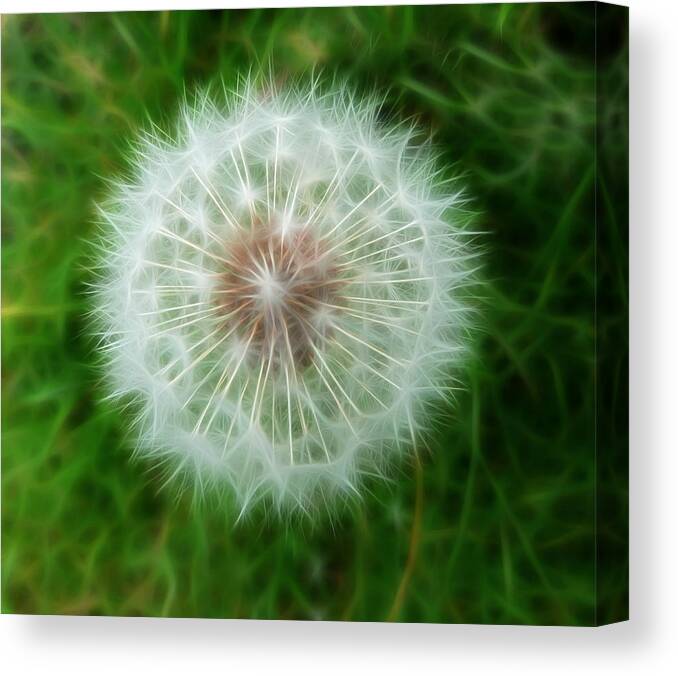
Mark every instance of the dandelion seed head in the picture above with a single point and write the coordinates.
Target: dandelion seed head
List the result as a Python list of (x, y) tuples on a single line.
[(282, 293)]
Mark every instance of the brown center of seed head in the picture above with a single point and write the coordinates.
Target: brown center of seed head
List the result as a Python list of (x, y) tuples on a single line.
[(278, 294)]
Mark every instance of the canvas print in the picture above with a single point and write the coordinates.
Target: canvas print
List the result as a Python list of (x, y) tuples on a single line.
[(317, 314)]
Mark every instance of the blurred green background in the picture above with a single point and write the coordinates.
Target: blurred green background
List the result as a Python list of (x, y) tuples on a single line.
[(499, 523)]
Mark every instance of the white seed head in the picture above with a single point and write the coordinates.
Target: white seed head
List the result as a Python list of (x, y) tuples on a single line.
[(281, 291)]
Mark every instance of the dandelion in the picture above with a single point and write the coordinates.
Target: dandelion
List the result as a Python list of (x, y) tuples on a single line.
[(281, 293)]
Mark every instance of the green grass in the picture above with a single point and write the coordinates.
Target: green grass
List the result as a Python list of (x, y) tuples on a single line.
[(497, 524)]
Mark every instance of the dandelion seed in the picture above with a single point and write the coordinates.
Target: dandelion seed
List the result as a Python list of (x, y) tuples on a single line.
[(282, 292)]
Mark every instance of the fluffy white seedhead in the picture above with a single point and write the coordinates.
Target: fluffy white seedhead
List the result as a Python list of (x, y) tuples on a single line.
[(281, 291)]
